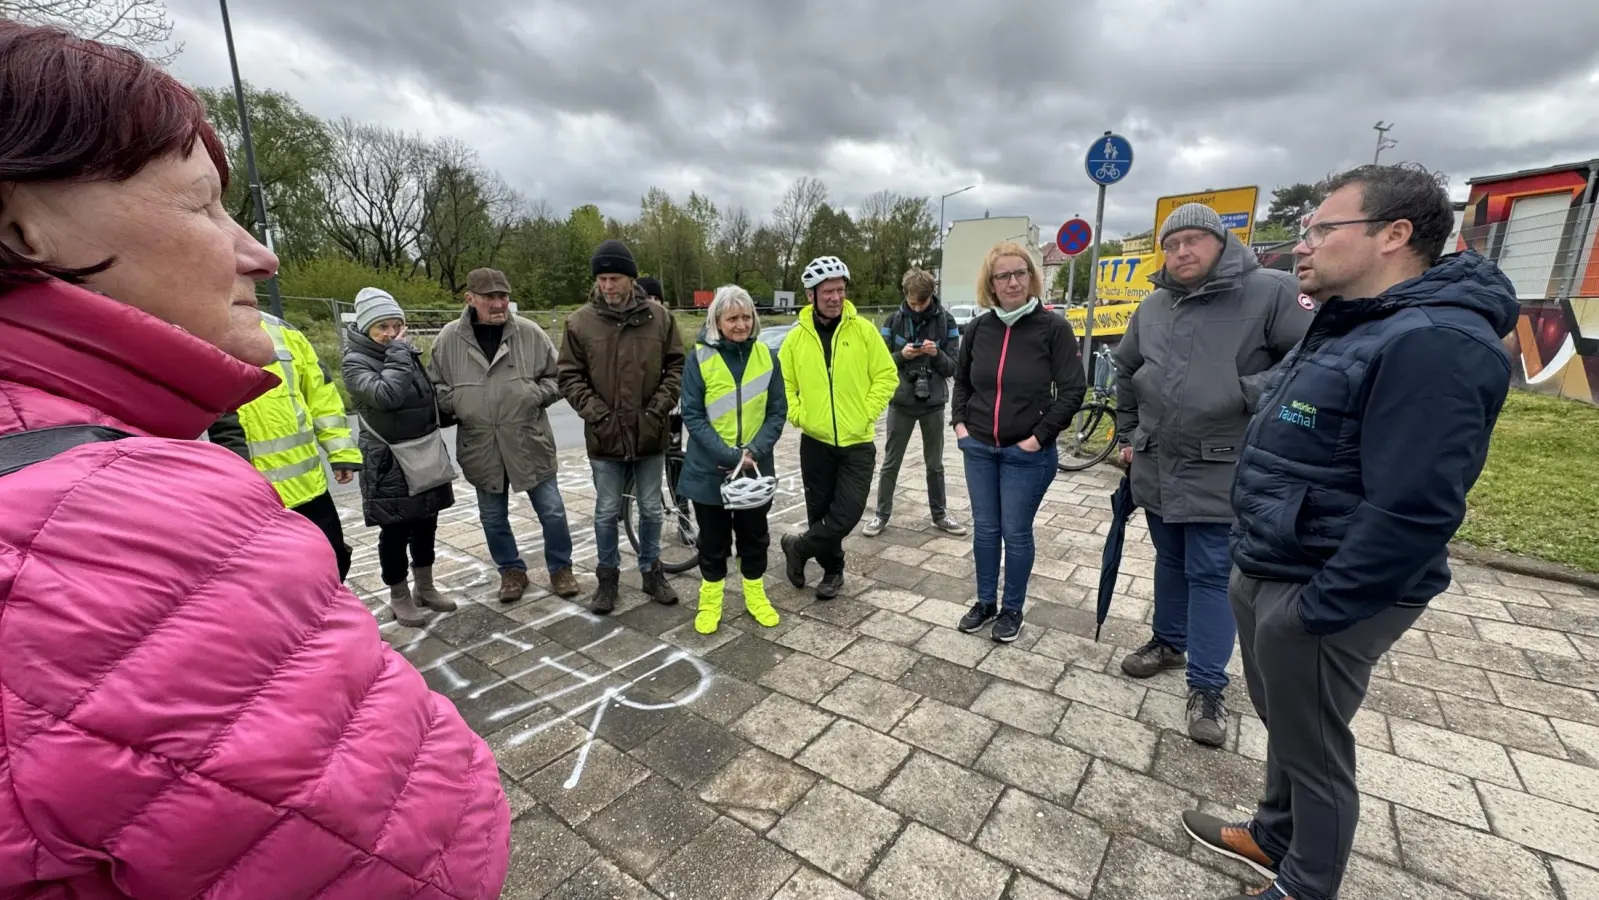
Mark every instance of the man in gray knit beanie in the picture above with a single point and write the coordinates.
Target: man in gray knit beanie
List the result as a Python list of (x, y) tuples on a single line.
[(1195, 357)]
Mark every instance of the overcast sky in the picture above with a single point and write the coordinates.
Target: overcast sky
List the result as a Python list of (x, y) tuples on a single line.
[(588, 102)]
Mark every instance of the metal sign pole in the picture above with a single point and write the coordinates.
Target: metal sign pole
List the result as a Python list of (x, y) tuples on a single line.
[(257, 196), (1071, 279), (1093, 287)]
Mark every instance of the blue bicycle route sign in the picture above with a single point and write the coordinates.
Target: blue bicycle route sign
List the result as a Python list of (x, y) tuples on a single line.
[(1109, 159)]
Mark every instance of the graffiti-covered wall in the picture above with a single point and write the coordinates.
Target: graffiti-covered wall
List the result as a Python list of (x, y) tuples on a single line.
[(1541, 229)]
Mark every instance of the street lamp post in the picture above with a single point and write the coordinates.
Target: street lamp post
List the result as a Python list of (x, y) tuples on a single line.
[(257, 196), (1383, 141), (938, 283)]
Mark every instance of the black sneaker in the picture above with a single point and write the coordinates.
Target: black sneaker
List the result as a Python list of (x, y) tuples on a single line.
[(979, 615), (1152, 659), (1207, 717), (1008, 626), (830, 585), (794, 563)]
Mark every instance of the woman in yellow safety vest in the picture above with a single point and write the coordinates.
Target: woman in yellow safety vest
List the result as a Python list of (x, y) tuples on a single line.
[(734, 409)]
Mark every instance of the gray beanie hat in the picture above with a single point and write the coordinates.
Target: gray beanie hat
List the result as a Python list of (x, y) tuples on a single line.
[(1192, 216), (373, 305)]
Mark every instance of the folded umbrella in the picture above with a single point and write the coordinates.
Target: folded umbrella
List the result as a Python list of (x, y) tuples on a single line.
[(1121, 508)]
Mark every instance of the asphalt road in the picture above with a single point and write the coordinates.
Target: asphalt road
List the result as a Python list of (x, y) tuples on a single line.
[(564, 422)]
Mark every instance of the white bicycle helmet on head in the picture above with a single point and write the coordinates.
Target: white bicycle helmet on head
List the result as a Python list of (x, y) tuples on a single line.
[(741, 491), (823, 268)]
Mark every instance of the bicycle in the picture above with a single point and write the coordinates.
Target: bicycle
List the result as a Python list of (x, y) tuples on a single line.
[(1091, 437), (1109, 170), (680, 533)]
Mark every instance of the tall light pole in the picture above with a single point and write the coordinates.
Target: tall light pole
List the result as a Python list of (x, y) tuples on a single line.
[(1383, 141), (938, 283), (257, 196)]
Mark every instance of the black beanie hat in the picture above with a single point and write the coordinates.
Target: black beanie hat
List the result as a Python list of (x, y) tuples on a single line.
[(652, 287), (613, 258)]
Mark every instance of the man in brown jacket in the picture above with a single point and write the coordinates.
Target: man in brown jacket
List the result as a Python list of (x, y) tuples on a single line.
[(495, 374), (621, 369)]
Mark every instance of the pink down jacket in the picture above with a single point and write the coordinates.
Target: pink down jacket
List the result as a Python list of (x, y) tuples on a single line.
[(191, 705)]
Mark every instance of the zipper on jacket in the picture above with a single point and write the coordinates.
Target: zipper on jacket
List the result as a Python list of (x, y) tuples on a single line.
[(738, 405), (999, 382), (832, 403)]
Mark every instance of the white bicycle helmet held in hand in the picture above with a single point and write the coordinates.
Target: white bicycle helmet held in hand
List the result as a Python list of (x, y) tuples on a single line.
[(742, 491), (823, 268)]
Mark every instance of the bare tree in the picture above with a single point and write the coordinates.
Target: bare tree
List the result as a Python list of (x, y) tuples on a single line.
[(737, 243), (141, 25), (467, 214), (792, 219), (376, 185)]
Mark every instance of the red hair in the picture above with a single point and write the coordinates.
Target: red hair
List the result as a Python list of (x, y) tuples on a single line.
[(78, 110)]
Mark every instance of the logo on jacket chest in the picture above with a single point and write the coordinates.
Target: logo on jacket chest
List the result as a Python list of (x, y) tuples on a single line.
[(1297, 412)]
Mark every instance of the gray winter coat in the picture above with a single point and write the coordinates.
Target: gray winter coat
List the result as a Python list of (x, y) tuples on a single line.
[(1189, 373), (503, 431)]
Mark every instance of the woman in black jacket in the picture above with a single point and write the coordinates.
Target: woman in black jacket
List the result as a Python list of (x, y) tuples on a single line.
[(1018, 382), (391, 393)]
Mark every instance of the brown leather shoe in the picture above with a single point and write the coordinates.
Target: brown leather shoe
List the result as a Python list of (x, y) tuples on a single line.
[(513, 583), (564, 583), (1229, 839)]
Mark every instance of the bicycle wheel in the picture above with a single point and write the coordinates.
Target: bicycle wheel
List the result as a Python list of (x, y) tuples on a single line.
[(680, 534), (1089, 440)]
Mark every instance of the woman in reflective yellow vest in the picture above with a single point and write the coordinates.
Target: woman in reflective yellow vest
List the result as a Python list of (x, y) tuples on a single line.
[(733, 409), (285, 431)]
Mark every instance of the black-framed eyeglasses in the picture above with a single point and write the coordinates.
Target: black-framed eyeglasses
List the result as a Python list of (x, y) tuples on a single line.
[(1316, 235)]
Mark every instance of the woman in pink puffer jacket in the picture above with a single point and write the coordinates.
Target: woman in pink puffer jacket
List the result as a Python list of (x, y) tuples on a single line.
[(191, 704)]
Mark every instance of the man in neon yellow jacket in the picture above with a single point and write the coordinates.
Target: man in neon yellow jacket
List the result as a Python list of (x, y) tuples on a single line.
[(838, 378), (285, 431)]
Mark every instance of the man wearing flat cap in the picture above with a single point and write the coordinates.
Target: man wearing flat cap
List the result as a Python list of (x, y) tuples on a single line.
[(1190, 370), (494, 372), (621, 369)]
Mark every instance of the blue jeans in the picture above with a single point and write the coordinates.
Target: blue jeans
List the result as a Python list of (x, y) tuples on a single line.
[(1007, 484), (494, 510), (610, 483), (1192, 612)]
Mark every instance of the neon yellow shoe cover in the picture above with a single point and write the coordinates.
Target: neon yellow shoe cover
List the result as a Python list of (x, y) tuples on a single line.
[(755, 601), (710, 614)]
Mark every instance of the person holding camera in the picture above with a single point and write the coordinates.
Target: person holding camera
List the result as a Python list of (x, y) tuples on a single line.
[(923, 340)]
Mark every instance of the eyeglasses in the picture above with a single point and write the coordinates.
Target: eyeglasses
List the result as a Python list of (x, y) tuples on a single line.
[(1316, 235), (1017, 275), (1176, 244)]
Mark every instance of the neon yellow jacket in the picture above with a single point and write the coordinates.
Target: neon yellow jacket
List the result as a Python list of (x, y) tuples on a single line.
[(838, 405), (285, 427)]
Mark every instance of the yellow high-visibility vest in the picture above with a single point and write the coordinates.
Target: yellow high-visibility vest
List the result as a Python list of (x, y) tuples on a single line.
[(736, 409), (302, 414)]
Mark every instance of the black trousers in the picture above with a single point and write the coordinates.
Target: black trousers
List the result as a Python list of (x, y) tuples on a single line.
[(718, 526), (395, 540), (838, 482), (325, 515)]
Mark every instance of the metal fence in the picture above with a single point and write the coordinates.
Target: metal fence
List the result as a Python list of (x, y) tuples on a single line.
[(1546, 255)]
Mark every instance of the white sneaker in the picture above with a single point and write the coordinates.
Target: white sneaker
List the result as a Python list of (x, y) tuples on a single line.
[(875, 526)]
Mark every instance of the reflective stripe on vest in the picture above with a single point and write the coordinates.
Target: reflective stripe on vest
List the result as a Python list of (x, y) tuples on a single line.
[(293, 470), (274, 327), (278, 445), (735, 409)]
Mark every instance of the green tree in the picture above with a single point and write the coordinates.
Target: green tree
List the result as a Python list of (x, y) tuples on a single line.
[(293, 150), (1294, 202), (333, 277), (1270, 232), (1083, 262)]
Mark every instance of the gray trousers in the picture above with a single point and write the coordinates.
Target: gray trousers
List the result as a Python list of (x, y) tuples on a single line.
[(1306, 689), (900, 426)]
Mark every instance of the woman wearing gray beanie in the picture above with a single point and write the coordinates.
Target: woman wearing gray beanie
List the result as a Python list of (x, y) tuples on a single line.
[(391, 393)]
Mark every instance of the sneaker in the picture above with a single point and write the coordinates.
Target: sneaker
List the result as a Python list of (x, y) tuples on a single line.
[(1207, 717), (1269, 892), (830, 586), (1008, 626), (1230, 839), (949, 526), (979, 615), (875, 526), (794, 564), (1153, 658), (564, 583)]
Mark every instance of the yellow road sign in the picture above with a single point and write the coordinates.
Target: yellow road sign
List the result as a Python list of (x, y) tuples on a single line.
[(1125, 278), (1108, 320), (1236, 206)]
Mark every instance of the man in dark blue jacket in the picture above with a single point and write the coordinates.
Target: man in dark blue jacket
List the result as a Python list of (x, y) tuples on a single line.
[(1352, 481)]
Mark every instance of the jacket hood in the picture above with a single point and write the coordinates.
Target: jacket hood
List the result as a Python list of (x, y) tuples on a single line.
[(1467, 280), (85, 347), (1236, 260)]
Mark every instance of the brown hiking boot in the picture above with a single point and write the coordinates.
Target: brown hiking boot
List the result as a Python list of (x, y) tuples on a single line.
[(1152, 659), (564, 583), (513, 584), (1229, 839)]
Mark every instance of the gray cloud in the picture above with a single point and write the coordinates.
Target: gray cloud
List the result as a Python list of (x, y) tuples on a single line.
[(578, 103)]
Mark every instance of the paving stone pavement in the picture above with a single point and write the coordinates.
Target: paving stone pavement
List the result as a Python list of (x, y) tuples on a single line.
[(865, 748)]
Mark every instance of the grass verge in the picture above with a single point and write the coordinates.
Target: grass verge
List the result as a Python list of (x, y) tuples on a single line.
[(1539, 493)]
